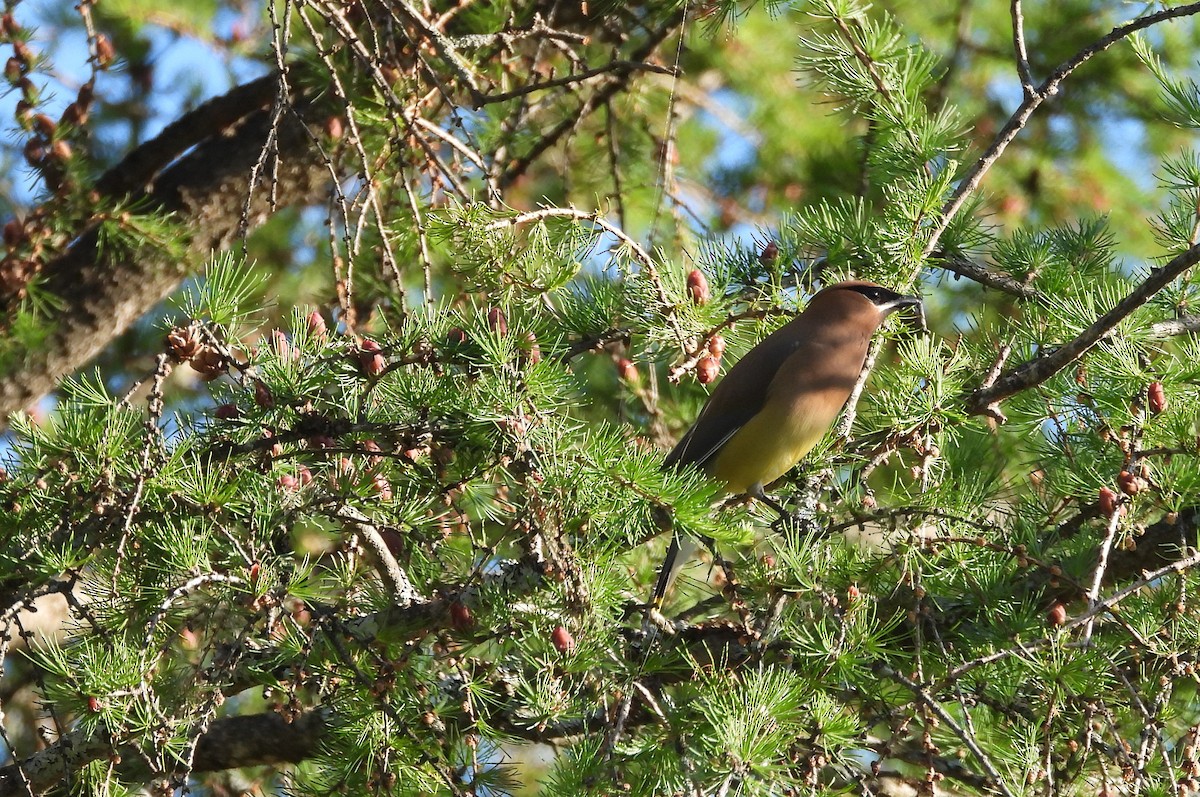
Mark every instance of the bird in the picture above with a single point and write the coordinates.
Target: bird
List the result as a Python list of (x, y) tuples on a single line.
[(780, 399)]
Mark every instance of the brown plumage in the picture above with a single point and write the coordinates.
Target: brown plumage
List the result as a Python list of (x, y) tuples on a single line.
[(780, 399)]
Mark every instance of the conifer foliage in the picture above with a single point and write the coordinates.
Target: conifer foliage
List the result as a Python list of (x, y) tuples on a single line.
[(372, 503)]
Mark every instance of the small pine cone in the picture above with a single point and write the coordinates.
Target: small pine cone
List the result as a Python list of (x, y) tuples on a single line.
[(769, 253), (370, 358), (45, 125), (697, 286), (227, 412), (14, 232), (182, 343), (1109, 502), (460, 616), (210, 364), (35, 153), (562, 640), (627, 371), (262, 395), (497, 321), (316, 325), (707, 369), (75, 115), (1156, 398), (22, 53), (1130, 483), (529, 350)]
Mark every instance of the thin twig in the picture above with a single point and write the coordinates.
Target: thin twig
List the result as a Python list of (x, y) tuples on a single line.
[(846, 424), (950, 722), (578, 77), (1093, 593), (1018, 24), (1020, 117)]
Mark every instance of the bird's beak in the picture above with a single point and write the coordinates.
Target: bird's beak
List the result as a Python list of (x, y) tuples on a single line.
[(917, 319), (902, 301)]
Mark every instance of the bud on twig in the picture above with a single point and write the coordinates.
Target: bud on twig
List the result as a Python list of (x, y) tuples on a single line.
[(707, 369), (1129, 483), (497, 322), (697, 286), (627, 371), (370, 359), (316, 325), (14, 232), (460, 616), (262, 395), (1156, 398), (562, 640), (1108, 501), (531, 352)]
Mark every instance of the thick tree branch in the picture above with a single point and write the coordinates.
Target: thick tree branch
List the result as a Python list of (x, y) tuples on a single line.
[(254, 740), (1036, 371), (101, 293)]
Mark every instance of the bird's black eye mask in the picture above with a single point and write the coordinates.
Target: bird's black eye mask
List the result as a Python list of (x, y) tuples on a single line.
[(877, 295)]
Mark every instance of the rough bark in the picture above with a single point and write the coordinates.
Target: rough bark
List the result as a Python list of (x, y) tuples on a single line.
[(253, 740), (199, 169)]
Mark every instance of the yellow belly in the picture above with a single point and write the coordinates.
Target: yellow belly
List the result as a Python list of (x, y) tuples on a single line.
[(767, 447)]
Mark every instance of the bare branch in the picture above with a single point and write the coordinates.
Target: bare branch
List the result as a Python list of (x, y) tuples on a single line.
[(197, 168), (1020, 117), (402, 589), (579, 77), (1018, 24), (254, 740)]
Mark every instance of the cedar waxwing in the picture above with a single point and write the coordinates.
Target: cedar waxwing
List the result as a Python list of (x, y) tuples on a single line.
[(780, 399)]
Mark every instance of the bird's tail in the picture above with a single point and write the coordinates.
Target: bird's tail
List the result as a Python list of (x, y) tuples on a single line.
[(678, 554)]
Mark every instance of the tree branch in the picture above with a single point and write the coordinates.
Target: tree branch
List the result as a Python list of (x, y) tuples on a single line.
[(985, 401), (231, 742), (101, 293), (1032, 101)]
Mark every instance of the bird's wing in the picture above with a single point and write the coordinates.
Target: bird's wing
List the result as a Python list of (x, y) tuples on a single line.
[(711, 431), (737, 399)]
